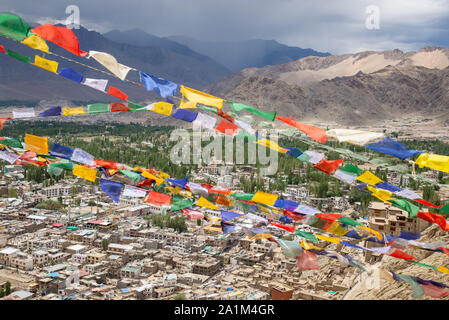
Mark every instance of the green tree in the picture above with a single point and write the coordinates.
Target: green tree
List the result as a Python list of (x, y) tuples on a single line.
[(7, 288), (105, 244), (180, 296)]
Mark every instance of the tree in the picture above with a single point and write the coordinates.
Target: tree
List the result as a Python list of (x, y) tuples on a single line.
[(2, 292), (7, 288), (180, 296), (105, 244), (12, 193)]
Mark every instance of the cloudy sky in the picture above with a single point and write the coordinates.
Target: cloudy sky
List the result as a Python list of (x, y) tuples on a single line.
[(336, 26)]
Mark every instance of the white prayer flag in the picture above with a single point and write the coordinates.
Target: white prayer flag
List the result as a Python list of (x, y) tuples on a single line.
[(82, 156), (135, 192), (99, 84)]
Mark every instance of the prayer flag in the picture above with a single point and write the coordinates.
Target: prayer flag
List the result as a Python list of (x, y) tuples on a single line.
[(82, 156), (13, 27), (71, 75), (264, 198), (368, 177), (192, 214), (61, 151), (227, 127), (134, 192), (308, 261), (98, 84), (18, 56), (328, 166), (110, 63), (185, 115), (54, 111), (159, 199), (113, 91), (111, 188), (201, 97), (36, 42), (163, 87), (202, 202), (161, 107), (406, 206), (204, 121), (433, 161), (393, 147), (238, 107), (98, 108), (36, 144), (314, 133), (72, 111), (85, 172), (62, 36)]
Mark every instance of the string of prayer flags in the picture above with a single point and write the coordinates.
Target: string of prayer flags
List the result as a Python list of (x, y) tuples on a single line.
[(201, 97), (98, 84), (314, 133), (51, 112), (111, 188), (433, 161), (328, 166), (409, 194), (113, 91), (392, 147), (48, 65), (36, 144), (370, 178), (381, 194), (306, 235), (35, 42), (85, 172), (264, 198), (71, 75), (163, 87), (272, 145), (387, 186), (203, 202), (13, 27), (149, 175), (179, 204), (328, 239), (110, 63), (157, 198), (62, 36), (406, 206)]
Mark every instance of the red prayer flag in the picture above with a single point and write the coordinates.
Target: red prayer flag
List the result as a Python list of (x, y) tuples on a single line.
[(424, 202), (225, 116), (62, 36), (434, 218), (113, 91), (119, 107), (328, 166), (144, 183), (315, 133), (282, 226), (401, 255), (308, 261), (2, 49), (434, 291), (192, 215), (2, 122), (227, 127), (221, 191), (207, 186), (106, 164), (157, 198), (330, 217)]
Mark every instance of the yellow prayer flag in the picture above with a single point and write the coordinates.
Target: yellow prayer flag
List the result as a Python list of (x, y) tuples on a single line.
[(261, 236), (375, 233), (171, 189), (164, 175), (203, 202), (148, 175), (36, 144), (309, 246), (201, 97), (41, 159), (272, 145), (187, 105), (85, 172), (265, 198), (67, 111), (329, 239), (162, 107), (443, 269), (138, 169), (36, 42), (263, 209), (337, 229), (370, 178), (433, 161), (381, 194), (49, 65)]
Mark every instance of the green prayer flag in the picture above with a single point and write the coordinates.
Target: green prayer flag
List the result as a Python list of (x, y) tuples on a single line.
[(349, 221), (243, 196), (304, 157), (306, 235), (13, 27), (238, 107), (13, 143), (131, 174), (98, 108), (179, 203), (445, 210), (406, 206), (18, 56), (417, 289), (134, 106), (350, 168), (265, 125), (206, 108)]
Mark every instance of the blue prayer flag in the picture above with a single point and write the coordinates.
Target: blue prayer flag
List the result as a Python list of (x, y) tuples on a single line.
[(111, 188), (226, 215), (185, 115), (71, 74), (294, 152), (60, 151), (163, 87), (387, 186), (393, 147), (54, 111)]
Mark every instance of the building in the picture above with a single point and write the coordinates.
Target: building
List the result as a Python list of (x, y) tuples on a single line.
[(207, 267), (57, 190), (281, 293)]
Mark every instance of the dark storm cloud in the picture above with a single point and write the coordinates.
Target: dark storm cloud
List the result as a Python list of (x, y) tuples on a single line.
[(337, 26)]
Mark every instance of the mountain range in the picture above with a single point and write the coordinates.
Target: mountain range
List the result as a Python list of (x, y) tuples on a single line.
[(347, 89)]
